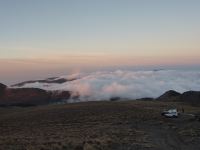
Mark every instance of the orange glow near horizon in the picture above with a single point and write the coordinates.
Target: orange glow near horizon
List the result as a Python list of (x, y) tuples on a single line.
[(97, 60), (13, 70)]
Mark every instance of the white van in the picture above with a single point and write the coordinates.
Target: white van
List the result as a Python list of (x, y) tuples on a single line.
[(171, 113)]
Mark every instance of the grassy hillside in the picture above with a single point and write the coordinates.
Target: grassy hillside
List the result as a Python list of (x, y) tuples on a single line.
[(99, 125)]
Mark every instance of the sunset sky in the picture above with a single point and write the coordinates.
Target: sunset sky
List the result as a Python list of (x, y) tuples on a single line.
[(42, 38)]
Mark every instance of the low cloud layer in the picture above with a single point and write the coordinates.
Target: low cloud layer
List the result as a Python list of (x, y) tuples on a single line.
[(126, 84)]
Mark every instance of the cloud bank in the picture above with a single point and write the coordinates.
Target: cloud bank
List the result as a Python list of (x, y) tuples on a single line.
[(125, 84)]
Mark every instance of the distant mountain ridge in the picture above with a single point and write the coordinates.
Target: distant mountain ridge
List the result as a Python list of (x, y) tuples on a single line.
[(36, 96), (48, 80), (118, 84)]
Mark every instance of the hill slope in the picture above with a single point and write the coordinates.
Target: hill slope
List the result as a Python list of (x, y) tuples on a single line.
[(189, 97), (30, 96), (98, 125)]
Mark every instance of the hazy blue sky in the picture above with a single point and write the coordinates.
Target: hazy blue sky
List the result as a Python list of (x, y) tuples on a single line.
[(73, 33)]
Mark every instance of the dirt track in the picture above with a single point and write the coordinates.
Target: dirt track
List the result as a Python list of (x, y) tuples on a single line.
[(98, 125)]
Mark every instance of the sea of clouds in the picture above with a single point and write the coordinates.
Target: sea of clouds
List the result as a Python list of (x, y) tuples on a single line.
[(125, 84)]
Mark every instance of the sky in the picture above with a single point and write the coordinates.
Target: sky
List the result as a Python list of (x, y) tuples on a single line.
[(41, 38)]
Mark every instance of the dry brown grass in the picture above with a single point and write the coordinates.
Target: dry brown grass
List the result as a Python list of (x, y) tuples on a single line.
[(96, 125)]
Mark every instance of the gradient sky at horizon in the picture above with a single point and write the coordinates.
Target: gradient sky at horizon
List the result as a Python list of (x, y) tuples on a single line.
[(47, 36)]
